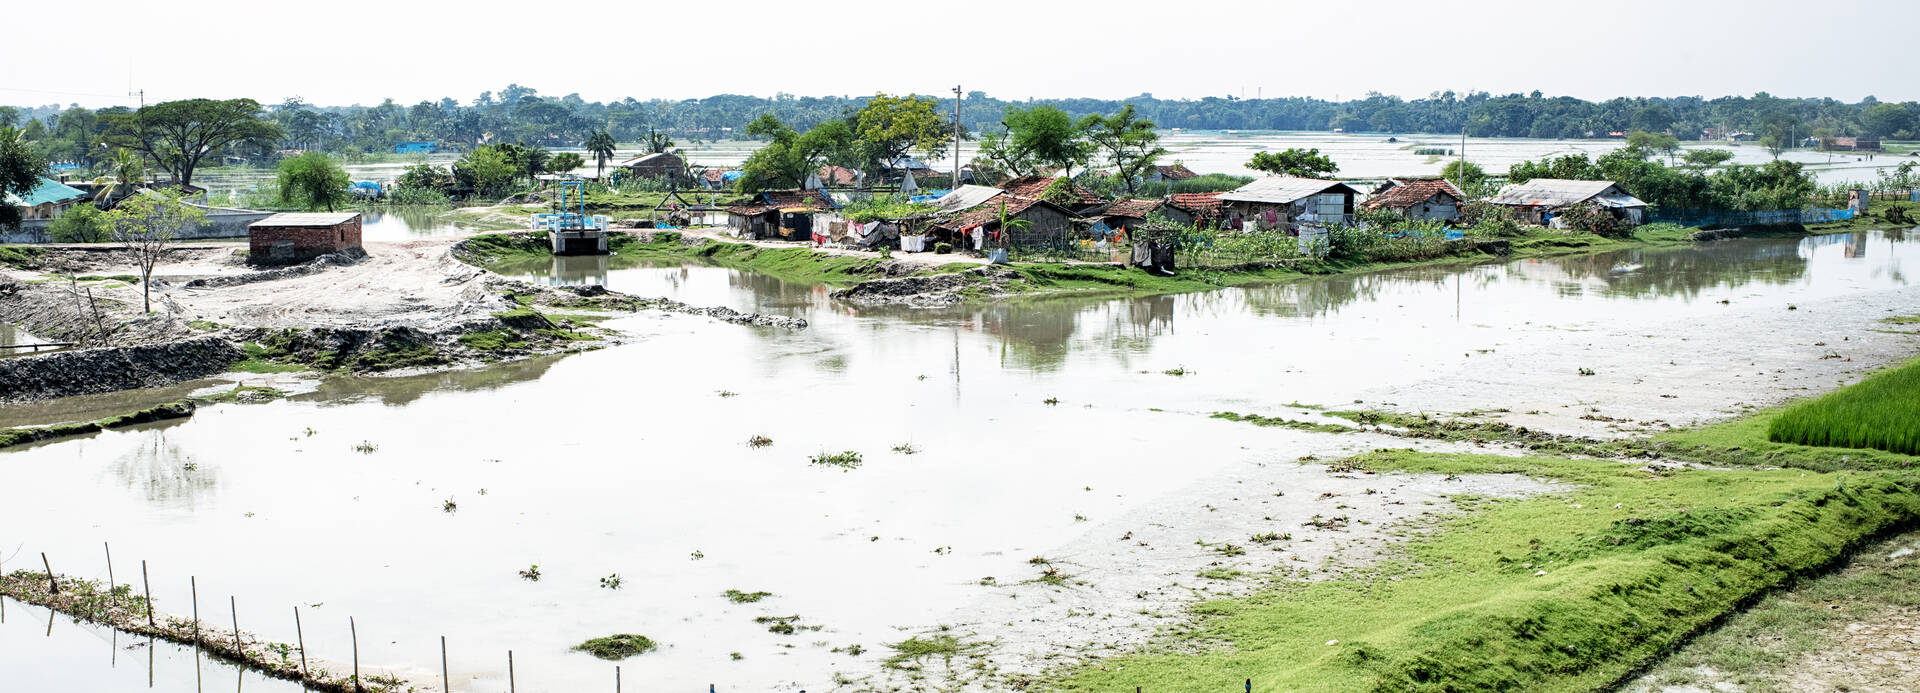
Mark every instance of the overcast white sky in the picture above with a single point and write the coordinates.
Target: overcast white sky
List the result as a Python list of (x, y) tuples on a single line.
[(344, 53)]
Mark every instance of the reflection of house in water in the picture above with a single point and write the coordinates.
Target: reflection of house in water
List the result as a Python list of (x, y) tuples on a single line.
[(581, 270), (1856, 245)]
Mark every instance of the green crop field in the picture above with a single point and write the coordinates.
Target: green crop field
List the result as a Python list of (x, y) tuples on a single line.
[(1881, 412)]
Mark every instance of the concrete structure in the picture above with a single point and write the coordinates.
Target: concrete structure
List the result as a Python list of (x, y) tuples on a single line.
[(1540, 200), (655, 165), (285, 239), (1286, 202), (1433, 199)]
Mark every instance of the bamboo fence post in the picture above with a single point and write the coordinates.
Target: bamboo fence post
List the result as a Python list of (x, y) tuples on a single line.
[(510, 688), (616, 678), (194, 582), (233, 607), (355, 632), (109, 566), (446, 683), (53, 586), (148, 586), (302, 635)]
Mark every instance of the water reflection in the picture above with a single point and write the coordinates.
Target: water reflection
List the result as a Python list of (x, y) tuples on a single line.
[(404, 223), (162, 470), (400, 391)]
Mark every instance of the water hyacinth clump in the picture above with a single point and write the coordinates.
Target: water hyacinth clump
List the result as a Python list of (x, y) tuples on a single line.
[(1880, 412)]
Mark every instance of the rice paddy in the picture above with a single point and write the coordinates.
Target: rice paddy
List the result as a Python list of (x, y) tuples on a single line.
[(1881, 412)]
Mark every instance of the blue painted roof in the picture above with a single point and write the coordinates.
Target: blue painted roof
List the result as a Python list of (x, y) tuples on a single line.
[(49, 190)]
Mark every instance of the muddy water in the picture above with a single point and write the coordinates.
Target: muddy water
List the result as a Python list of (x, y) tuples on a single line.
[(13, 335), (633, 460), (73, 656)]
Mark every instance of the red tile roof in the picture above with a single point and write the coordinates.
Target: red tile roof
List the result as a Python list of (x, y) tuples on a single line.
[(838, 175), (1133, 207), (1032, 186), (1407, 193), (1200, 204), (1176, 172), (990, 213)]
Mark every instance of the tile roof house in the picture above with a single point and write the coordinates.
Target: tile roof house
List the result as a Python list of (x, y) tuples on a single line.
[(1200, 205), (655, 165), (1130, 212), (1032, 186), (1169, 174), (1421, 198), (786, 213), (1045, 217), (839, 175)]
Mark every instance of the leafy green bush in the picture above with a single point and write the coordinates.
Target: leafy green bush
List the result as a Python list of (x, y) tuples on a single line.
[(84, 223), (1881, 412)]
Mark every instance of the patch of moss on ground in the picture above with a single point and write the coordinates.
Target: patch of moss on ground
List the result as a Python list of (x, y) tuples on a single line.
[(1267, 421), (1569, 591), (23, 257), (494, 341), (260, 360)]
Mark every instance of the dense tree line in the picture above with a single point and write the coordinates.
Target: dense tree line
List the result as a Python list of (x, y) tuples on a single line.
[(522, 115)]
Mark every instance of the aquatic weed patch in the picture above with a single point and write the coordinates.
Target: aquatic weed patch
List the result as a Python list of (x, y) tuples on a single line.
[(739, 597), (1567, 591), (1880, 412), (617, 647), (845, 460)]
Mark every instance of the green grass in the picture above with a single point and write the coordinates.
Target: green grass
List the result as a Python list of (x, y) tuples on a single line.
[(617, 647), (912, 653), (260, 360), (495, 341), (739, 597), (176, 409), (1902, 320), (1880, 412), (23, 257), (1635, 562), (1271, 421)]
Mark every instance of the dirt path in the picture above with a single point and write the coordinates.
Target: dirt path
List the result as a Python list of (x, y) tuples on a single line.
[(414, 283)]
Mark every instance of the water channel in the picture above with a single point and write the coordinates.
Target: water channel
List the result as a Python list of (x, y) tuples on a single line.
[(632, 460)]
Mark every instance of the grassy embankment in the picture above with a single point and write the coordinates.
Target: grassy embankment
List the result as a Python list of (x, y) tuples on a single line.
[(1569, 591), (1880, 215)]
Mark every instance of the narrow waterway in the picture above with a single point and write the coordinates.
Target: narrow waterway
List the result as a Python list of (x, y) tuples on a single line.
[(414, 504)]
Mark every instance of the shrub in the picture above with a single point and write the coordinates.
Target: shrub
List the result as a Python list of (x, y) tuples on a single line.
[(943, 247), (84, 223), (617, 647), (1880, 412)]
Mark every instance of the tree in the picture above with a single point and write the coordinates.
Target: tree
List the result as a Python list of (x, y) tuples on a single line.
[(1302, 163), (790, 157), (176, 135), (565, 162), (1774, 144), (600, 145), (1569, 167), (146, 225), (1130, 143), (889, 127), (82, 223), (126, 171), (1042, 136), (313, 180), (1703, 159), (1885, 119), (1646, 144), (656, 142), (20, 171), (486, 170), (1464, 174)]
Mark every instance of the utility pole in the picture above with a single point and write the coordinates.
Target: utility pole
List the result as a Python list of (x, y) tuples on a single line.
[(956, 138)]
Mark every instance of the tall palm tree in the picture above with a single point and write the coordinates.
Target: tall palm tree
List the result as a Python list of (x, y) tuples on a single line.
[(600, 145), (657, 141), (126, 171)]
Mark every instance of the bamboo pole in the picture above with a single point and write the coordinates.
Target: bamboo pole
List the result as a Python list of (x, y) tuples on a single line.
[(355, 632), (148, 586), (302, 635), (233, 607), (510, 688), (53, 586), (446, 683), (109, 566)]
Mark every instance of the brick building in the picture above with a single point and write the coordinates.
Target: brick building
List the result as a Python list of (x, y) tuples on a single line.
[(285, 239)]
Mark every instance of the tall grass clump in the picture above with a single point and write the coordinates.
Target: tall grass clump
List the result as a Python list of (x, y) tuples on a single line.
[(1881, 412)]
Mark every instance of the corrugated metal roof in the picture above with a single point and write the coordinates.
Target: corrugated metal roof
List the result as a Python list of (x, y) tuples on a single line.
[(1282, 190), (49, 190), (966, 197), (307, 219), (1557, 192)]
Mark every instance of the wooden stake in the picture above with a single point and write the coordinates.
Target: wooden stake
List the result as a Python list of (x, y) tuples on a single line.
[(616, 678), (446, 683), (52, 585), (355, 632), (233, 607), (302, 635), (510, 688), (194, 582), (109, 566), (148, 586)]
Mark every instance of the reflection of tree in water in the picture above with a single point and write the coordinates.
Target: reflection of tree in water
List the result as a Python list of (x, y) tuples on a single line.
[(404, 390), (1688, 271), (162, 470), (1319, 296), (773, 295)]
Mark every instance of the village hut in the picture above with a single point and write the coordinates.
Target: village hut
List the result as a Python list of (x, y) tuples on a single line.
[(1433, 199), (1540, 201)]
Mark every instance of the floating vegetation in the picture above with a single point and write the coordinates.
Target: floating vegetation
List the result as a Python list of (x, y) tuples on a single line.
[(845, 460), (366, 447), (739, 597), (449, 506), (610, 582), (532, 573), (1270, 537), (1178, 371), (911, 653), (1050, 401), (1586, 371), (617, 647), (906, 449), (729, 393), (759, 442), (783, 625)]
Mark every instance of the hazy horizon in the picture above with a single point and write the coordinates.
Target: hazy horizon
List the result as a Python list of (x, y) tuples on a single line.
[(1410, 49)]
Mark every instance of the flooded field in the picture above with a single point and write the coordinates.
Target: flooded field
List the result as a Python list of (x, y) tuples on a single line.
[(986, 436)]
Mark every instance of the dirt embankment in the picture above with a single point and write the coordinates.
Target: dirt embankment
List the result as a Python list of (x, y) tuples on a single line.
[(410, 305)]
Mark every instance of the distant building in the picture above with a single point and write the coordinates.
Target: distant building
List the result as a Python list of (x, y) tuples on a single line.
[(1286, 202), (1080, 201), (415, 147), (655, 165), (1433, 199), (285, 239), (787, 214), (49, 199), (1846, 144), (1540, 200), (1170, 174), (1204, 207), (1130, 213)]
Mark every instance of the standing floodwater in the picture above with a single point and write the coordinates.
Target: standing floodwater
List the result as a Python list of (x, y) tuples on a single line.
[(413, 505)]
